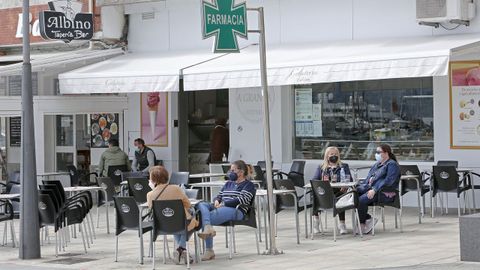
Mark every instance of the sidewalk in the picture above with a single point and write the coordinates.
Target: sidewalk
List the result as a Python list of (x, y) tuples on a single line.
[(434, 244)]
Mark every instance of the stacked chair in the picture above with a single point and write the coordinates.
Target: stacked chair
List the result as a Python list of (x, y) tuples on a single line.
[(56, 210)]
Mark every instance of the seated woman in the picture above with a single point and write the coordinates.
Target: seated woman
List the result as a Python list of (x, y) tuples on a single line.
[(237, 191), (331, 170), (161, 190), (384, 173)]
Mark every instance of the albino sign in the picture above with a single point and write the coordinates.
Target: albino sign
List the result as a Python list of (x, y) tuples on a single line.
[(68, 24), (225, 21)]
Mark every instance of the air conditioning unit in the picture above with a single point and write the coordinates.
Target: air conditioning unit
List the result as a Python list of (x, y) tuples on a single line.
[(440, 11)]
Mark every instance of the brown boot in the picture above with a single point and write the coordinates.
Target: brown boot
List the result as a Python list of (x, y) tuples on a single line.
[(208, 231), (208, 255)]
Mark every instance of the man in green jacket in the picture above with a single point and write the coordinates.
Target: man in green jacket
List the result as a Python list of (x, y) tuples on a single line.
[(113, 156)]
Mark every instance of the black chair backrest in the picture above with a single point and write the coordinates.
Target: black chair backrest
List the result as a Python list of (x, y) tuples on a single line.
[(410, 170), (258, 173), (445, 178), (115, 173), (74, 177), (263, 164), (284, 200), (59, 186), (448, 163), (126, 175), (138, 188), (179, 178), (107, 184), (127, 214), (50, 193), (323, 196), (168, 218), (46, 210), (297, 179), (298, 166), (57, 197)]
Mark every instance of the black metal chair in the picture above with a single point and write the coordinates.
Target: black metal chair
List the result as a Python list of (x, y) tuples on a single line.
[(417, 184), (115, 173), (446, 179), (48, 214), (324, 199), (291, 201), (396, 204), (169, 219), (179, 178), (263, 164), (296, 173), (248, 220), (107, 184), (138, 189), (78, 179), (259, 175), (128, 217)]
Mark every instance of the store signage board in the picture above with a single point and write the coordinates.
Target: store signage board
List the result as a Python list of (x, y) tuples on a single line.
[(224, 20), (64, 21), (465, 105)]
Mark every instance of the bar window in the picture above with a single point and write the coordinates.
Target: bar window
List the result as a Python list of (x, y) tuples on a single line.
[(357, 116)]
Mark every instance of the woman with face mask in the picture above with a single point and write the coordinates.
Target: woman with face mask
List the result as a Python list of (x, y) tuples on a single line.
[(333, 170), (384, 173), (237, 191)]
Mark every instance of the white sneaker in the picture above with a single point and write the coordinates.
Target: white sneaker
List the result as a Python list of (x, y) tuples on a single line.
[(316, 224), (369, 224), (342, 228)]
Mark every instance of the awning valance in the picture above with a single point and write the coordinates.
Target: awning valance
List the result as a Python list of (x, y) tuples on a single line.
[(287, 65)]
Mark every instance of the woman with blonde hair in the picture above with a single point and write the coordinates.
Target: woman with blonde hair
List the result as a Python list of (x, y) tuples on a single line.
[(333, 170)]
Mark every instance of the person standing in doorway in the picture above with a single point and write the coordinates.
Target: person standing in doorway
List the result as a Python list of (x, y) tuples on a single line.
[(219, 141), (144, 157)]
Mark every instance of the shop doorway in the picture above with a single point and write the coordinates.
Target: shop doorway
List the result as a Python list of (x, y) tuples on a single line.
[(68, 141), (204, 107)]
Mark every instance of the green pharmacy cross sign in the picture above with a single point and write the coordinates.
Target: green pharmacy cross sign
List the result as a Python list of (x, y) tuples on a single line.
[(225, 21)]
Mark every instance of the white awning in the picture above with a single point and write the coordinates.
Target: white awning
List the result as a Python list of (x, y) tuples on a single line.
[(132, 72), (41, 62), (287, 65)]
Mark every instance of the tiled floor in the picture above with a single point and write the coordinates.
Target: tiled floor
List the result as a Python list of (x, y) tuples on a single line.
[(434, 244)]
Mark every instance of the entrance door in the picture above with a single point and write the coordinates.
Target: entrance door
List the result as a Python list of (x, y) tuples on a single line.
[(65, 150)]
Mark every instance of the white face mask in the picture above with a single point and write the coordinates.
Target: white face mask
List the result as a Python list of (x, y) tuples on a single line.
[(378, 157), (151, 184)]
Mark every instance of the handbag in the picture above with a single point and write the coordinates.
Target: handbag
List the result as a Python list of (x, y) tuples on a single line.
[(347, 200)]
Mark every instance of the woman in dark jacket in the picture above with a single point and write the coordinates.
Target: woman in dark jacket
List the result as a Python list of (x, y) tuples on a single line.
[(384, 173), (333, 170)]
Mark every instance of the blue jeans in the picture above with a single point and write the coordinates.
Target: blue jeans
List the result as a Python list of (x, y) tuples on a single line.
[(217, 216), (181, 240)]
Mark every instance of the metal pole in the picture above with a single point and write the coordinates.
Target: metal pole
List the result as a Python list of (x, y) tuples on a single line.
[(266, 133), (29, 224)]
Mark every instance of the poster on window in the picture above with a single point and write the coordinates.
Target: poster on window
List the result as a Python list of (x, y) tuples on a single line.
[(303, 112), (104, 127), (465, 105), (154, 118)]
